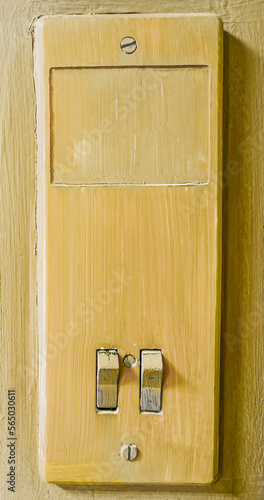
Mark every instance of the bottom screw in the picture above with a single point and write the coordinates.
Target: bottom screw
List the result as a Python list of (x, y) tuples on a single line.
[(129, 451)]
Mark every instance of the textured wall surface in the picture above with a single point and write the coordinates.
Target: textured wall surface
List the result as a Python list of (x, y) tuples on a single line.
[(242, 387)]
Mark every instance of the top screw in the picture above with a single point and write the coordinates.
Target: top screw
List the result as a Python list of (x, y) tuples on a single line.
[(128, 45)]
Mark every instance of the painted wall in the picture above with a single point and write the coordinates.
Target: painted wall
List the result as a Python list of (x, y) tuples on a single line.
[(242, 386)]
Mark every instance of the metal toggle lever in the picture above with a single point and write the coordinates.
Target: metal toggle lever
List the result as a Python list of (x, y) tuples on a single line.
[(151, 377), (107, 377)]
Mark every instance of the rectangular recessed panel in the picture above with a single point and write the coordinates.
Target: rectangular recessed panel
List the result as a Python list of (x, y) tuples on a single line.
[(130, 125)]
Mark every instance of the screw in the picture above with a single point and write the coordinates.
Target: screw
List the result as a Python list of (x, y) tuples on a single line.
[(128, 45), (130, 360), (129, 451)]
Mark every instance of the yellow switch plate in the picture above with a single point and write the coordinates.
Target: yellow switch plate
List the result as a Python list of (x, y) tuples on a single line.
[(129, 241)]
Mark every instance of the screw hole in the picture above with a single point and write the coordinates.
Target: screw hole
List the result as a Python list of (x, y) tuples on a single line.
[(128, 45)]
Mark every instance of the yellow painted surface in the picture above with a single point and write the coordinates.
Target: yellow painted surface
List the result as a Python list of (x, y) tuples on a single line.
[(130, 125), (162, 248), (241, 404)]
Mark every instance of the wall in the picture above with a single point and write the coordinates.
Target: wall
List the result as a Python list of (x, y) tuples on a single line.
[(242, 386)]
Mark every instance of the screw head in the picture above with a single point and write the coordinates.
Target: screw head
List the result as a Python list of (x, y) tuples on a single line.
[(129, 452), (129, 360), (128, 45)]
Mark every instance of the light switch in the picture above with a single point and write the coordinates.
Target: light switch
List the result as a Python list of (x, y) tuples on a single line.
[(107, 379), (151, 377), (129, 121)]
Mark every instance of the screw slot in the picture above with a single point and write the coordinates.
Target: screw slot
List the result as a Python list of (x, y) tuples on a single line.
[(129, 452), (130, 360), (128, 45)]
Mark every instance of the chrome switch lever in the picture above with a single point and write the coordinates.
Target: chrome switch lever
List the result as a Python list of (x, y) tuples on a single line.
[(107, 377), (151, 378)]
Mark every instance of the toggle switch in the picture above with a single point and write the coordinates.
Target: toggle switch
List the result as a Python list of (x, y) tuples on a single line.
[(107, 377), (151, 377)]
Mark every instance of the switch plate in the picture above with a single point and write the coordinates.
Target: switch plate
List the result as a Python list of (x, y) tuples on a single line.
[(129, 242)]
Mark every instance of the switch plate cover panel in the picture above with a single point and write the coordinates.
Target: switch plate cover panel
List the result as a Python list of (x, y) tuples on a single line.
[(129, 245)]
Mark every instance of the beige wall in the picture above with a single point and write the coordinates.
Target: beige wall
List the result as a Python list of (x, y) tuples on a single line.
[(242, 380)]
